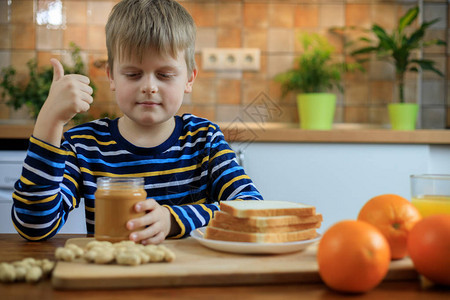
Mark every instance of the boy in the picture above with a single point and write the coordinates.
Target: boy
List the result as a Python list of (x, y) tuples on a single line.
[(185, 161)]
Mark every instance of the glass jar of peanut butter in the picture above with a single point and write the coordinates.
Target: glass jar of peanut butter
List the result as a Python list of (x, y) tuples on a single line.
[(114, 206)]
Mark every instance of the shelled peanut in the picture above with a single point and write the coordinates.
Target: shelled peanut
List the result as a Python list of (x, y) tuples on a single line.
[(27, 269), (122, 253)]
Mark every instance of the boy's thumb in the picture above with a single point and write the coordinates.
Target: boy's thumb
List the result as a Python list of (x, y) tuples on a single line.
[(58, 70)]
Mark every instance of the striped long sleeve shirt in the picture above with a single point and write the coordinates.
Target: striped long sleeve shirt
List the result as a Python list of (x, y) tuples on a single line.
[(189, 173)]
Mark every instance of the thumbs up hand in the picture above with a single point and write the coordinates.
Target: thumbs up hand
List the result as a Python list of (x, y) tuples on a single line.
[(69, 94), (58, 70)]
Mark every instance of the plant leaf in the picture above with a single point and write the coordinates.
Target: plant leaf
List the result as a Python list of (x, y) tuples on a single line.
[(434, 42), (365, 39), (427, 65), (315, 70), (364, 50), (417, 35), (408, 18), (34, 93), (380, 32), (385, 41)]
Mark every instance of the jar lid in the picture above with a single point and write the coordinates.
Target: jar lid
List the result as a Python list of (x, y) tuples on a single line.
[(120, 182)]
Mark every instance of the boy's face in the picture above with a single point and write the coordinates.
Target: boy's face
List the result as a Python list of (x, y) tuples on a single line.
[(151, 92)]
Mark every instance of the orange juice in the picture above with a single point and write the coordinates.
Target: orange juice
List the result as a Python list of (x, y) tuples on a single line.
[(432, 204)]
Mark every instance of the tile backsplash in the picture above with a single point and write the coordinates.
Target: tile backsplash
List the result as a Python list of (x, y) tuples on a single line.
[(43, 29)]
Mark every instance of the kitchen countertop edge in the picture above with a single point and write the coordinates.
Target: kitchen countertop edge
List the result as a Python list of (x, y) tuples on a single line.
[(288, 133)]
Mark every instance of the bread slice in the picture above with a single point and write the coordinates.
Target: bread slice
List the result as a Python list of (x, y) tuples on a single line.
[(249, 229), (265, 224), (266, 208), (214, 233)]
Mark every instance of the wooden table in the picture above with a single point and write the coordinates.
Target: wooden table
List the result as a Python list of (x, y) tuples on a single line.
[(13, 247)]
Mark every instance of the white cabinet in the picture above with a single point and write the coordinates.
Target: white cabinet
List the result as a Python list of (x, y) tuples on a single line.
[(338, 178)]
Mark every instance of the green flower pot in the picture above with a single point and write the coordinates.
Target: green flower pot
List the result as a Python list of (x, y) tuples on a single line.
[(403, 116), (316, 110)]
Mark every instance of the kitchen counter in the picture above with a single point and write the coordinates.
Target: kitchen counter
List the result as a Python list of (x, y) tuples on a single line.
[(284, 132), (340, 133), (13, 247)]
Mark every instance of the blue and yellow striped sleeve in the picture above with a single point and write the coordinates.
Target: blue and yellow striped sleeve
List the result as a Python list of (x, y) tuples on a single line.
[(192, 216), (45, 192)]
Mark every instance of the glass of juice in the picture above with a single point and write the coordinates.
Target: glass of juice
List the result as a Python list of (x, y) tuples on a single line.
[(430, 193)]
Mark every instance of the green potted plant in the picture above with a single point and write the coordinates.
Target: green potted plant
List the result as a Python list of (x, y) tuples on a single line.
[(398, 48), (313, 78), (34, 92)]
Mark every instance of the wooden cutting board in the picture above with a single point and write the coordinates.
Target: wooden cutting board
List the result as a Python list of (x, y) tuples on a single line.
[(198, 265)]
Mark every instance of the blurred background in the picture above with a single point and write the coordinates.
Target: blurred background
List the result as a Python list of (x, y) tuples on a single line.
[(42, 29)]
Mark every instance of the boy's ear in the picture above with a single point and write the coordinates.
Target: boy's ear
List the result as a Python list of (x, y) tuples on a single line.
[(190, 82), (112, 85)]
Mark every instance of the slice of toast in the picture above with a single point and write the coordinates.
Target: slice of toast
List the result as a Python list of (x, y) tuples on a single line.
[(276, 229), (266, 208), (265, 224), (214, 233)]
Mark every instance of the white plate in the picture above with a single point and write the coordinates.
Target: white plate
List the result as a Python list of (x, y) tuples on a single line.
[(251, 248)]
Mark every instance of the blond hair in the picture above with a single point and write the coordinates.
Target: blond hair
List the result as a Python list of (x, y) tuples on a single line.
[(135, 26)]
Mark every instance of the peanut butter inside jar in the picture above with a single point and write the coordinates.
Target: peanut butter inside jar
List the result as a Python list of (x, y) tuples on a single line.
[(114, 206)]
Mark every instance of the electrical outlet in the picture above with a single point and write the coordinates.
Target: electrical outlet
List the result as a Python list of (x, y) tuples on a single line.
[(231, 59)]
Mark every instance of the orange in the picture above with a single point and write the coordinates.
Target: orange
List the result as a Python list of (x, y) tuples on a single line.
[(353, 256), (394, 216), (429, 248)]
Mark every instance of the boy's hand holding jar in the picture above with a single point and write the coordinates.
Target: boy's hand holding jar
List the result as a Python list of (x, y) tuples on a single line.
[(122, 206)]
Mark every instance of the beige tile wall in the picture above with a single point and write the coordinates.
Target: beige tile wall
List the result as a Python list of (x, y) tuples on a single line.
[(271, 25)]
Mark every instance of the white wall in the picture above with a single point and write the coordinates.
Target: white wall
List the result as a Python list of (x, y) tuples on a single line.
[(440, 159)]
